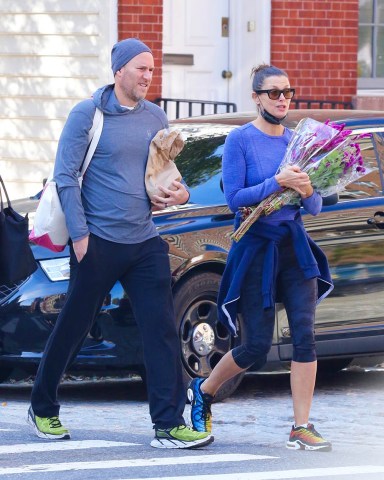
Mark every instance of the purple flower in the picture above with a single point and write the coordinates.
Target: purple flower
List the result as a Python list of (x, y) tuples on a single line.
[(327, 145)]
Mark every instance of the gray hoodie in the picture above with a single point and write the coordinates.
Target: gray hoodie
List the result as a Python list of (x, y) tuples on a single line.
[(112, 203)]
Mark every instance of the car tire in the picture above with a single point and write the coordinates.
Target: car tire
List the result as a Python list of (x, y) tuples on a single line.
[(204, 341)]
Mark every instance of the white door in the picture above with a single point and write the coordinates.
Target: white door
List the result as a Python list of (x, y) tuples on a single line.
[(196, 52), (204, 38)]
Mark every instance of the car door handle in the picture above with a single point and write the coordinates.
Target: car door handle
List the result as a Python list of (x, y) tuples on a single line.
[(224, 217), (377, 220)]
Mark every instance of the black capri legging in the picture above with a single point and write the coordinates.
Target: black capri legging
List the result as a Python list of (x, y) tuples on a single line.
[(299, 296)]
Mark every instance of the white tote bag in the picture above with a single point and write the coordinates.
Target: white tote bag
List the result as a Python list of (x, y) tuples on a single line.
[(49, 226)]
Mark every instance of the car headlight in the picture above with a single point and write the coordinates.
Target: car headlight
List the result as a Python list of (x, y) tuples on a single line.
[(56, 269)]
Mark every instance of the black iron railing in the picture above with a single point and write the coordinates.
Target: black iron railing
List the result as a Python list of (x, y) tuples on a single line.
[(189, 108), (310, 103), (206, 106)]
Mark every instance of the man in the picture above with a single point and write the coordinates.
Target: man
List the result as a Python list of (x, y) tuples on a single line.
[(114, 238)]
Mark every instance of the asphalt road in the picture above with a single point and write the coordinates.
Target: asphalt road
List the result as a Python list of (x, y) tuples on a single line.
[(111, 431)]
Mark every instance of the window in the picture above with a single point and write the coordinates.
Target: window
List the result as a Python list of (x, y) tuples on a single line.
[(370, 185), (371, 44), (200, 162)]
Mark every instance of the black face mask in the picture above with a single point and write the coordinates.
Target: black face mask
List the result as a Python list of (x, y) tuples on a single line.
[(271, 118)]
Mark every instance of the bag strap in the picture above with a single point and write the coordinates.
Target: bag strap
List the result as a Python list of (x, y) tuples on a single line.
[(1, 195), (93, 137)]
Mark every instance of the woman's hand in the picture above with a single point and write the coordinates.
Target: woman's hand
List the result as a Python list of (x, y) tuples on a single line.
[(177, 196), (292, 177)]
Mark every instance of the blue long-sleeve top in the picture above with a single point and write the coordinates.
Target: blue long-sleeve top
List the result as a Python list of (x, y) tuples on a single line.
[(250, 161), (112, 203)]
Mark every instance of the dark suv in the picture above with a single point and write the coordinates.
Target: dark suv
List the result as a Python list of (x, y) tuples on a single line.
[(350, 322)]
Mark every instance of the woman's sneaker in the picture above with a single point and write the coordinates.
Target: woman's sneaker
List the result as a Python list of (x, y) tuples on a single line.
[(201, 416), (47, 427), (180, 437), (302, 438)]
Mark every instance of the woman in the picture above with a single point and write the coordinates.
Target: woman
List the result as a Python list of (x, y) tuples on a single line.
[(274, 261)]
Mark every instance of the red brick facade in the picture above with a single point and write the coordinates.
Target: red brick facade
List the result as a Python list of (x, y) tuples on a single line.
[(316, 43), (143, 19)]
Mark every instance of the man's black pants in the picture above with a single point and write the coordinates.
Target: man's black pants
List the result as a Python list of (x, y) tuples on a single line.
[(144, 272)]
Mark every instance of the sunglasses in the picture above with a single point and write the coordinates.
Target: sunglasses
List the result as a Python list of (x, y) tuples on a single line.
[(274, 93)]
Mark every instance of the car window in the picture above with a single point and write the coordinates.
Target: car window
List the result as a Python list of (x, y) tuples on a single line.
[(200, 163), (370, 185), (378, 142)]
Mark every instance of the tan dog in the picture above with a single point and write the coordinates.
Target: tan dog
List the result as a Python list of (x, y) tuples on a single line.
[(161, 168)]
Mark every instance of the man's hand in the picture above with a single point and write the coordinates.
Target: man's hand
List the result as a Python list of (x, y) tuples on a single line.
[(177, 196), (80, 248)]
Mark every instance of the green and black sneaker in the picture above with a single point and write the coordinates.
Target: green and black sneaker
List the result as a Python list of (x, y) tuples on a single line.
[(47, 427), (180, 437)]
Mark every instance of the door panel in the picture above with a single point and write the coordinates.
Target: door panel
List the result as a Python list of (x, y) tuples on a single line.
[(356, 257), (194, 27), (355, 308), (351, 319)]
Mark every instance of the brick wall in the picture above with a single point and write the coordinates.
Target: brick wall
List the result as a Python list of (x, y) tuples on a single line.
[(369, 102), (143, 19), (316, 42)]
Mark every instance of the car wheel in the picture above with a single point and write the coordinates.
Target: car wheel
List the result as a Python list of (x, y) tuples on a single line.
[(329, 367), (204, 341)]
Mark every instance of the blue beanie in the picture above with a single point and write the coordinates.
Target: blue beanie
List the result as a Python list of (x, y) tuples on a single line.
[(124, 51)]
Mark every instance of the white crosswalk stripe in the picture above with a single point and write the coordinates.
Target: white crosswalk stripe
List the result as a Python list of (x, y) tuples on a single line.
[(306, 473), (131, 463), (362, 471), (61, 446)]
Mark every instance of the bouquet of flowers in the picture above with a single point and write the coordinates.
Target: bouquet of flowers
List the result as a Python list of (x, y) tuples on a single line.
[(329, 155)]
